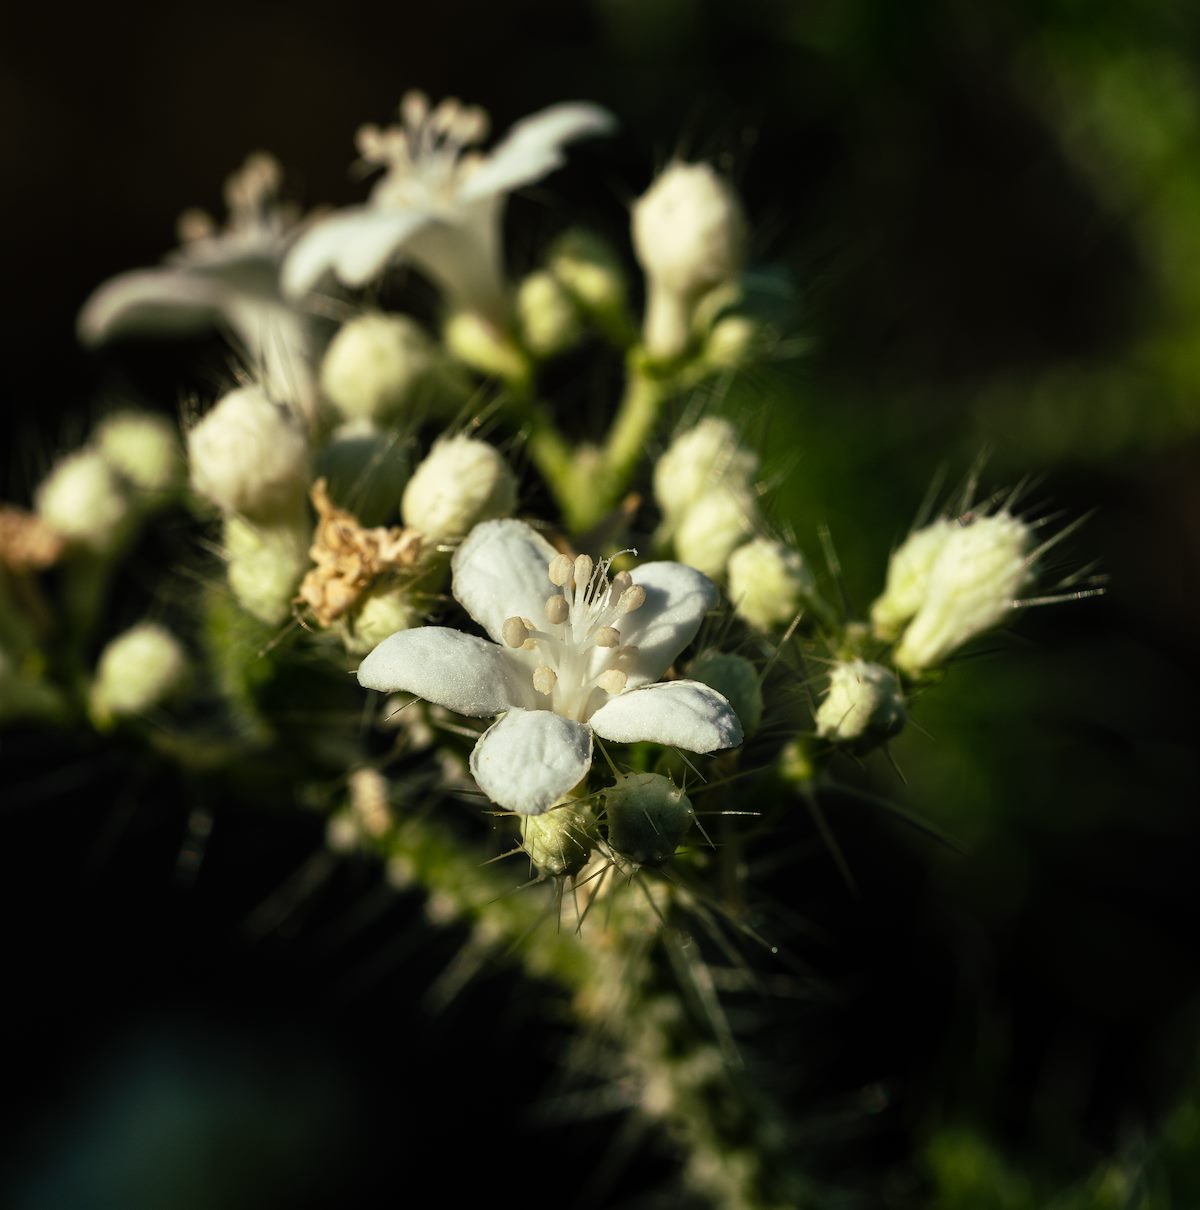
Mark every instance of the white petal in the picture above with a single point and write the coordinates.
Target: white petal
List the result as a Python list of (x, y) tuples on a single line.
[(158, 301), (677, 598), (530, 759), (464, 673), (355, 244), (500, 572), (684, 714), (533, 148)]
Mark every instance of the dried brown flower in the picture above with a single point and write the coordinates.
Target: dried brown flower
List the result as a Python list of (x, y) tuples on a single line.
[(27, 543)]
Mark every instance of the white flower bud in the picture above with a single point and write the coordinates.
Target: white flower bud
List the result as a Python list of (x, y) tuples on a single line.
[(730, 342), (714, 527), (550, 321), (560, 840), (647, 816), (463, 481), (591, 273), (863, 706), (382, 614), (978, 574), (83, 500), (698, 459), (265, 565), (249, 456), (137, 671), (689, 234), (769, 582), (736, 680), (375, 364), (908, 577), (143, 448)]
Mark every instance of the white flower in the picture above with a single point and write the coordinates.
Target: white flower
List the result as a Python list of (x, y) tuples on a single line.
[(439, 204), (225, 279), (979, 571), (572, 653)]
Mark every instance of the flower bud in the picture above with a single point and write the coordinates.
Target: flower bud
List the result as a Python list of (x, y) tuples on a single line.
[(736, 679), (380, 615), (560, 840), (689, 235), (769, 582), (137, 671), (980, 570), (647, 817), (697, 460), (249, 456), (483, 346), (84, 501), (908, 577), (863, 706), (375, 365), (714, 527), (591, 273), (463, 481), (143, 448), (549, 319), (365, 470), (730, 342), (265, 565)]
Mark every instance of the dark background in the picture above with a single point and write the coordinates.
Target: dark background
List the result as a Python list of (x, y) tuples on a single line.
[(966, 277)]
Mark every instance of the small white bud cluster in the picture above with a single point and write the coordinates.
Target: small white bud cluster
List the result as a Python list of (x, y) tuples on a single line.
[(689, 234), (85, 501), (375, 366), (462, 481), (137, 671), (249, 456), (980, 568), (863, 706), (142, 448)]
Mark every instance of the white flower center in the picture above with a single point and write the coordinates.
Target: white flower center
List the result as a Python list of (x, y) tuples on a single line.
[(577, 647), (425, 158)]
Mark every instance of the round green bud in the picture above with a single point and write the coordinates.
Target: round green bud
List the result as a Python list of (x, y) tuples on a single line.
[(463, 481), (381, 615), (83, 500), (484, 347), (549, 318), (863, 706), (769, 581), (590, 271), (375, 365), (143, 448), (559, 841), (730, 342), (647, 816), (736, 679), (365, 470), (265, 565), (137, 671)]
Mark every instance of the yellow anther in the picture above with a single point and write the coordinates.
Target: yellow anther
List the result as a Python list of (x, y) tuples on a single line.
[(544, 679), (561, 569), (608, 636), (557, 609), (515, 632), (612, 681)]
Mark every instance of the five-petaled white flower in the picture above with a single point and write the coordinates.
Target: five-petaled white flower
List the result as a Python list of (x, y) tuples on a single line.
[(573, 652), (226, 279), (439, 204)]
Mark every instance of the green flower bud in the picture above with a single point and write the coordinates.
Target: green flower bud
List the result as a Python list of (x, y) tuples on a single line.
[(265, 565), (375, 366), (143, 448), (365, 470), (647, 817), (560, 840), (863, 707), (730, 342), (550, 321), (463, 481), (486, 348), (769, 581), (83, 500), (380, 615), (736, 679), (137, 671), (591, 272)]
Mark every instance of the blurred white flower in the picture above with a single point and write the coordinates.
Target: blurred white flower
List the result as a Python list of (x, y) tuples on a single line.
[(439, 203), (226, 279), (572, 653)]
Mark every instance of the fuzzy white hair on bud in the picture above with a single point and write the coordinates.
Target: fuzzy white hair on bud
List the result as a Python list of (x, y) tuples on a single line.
[(375, 365), (863, 705), (697, 460), (462, 482), (769, 583), (908, 578)]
